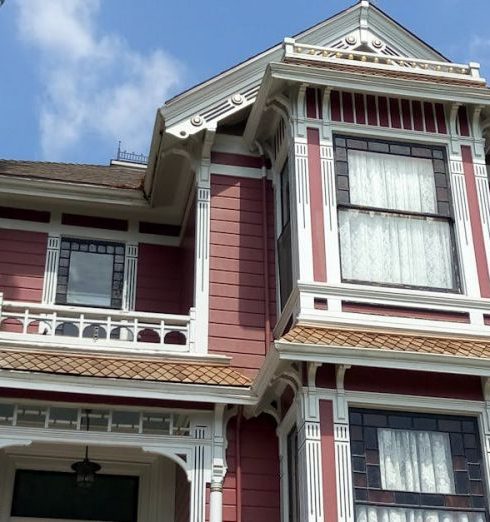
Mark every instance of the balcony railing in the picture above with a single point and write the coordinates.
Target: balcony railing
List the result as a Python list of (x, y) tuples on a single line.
[(90, 327)]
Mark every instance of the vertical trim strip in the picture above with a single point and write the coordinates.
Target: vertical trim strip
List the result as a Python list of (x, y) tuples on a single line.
[(475, 220), (328, 461)]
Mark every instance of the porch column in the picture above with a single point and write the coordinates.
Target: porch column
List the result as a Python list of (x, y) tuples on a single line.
[(216, 502), (218, 469)]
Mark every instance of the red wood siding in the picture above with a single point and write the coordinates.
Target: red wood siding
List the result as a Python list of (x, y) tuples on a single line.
[(162, 281), (182, 495), (236, 292), (22, 261), (259, 457), (407, 382), (328, 461), (388, 112)]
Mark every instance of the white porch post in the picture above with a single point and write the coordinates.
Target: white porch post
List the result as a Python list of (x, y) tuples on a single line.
[(203, 221), (310, 453), (218, 468)]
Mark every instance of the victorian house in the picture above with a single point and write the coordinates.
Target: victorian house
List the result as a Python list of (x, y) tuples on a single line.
[(283, 315)]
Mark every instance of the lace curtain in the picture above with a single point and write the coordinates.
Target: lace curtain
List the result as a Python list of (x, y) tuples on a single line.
[(415, 461), (391, 182), (390, 514), (386, 248)]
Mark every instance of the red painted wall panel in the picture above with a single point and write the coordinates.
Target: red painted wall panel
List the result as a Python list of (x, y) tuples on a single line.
[(418, 123), (335, 106), (430, 123), (165, 279), (236, 292), (360, 108), (22, 261), (316, 206), (464, 127), (259, 458), (328, 461), (406, 115), (476, 222), (372, 110), (347, 107), (441, 119), (413, 383), (396, 122), (383, 111)]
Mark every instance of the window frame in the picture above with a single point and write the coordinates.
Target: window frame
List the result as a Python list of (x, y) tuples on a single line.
[(117, 284), (438, 155), (364, 447)]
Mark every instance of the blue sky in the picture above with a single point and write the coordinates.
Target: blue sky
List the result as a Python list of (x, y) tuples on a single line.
[(80, 74)]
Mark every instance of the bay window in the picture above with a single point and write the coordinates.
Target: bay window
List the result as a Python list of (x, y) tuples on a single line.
[(416, 468), (395, 214)]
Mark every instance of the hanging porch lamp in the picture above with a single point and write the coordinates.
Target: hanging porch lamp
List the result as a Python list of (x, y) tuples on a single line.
[(85, 469)]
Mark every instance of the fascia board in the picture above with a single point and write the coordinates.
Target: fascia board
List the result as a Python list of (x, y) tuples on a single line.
[(354, 81), (69, 191), (132, 389), (374, 358)]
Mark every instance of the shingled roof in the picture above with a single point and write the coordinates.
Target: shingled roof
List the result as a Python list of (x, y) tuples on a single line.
[(366, 339), (139, 369), (114, 176)]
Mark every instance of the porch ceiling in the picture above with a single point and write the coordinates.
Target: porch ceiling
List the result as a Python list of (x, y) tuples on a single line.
[(140, 369), (387, 341)]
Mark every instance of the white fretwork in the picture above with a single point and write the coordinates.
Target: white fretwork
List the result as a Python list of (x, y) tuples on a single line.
[(51, 269), (130, 276)]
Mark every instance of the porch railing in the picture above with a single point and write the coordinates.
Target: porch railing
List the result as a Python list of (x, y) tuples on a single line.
[(94, 326)]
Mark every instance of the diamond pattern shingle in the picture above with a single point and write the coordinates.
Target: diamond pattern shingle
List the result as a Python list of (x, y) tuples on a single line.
[(122, 368), (388, 341)]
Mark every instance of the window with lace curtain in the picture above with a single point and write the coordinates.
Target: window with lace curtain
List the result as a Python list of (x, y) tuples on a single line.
[(395, 214), (416, 468)]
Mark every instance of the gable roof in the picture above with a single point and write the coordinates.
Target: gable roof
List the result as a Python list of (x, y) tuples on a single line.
[(105, 176), (237, 87)]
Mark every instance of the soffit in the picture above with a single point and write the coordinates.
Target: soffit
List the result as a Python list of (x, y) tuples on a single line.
[(139, 369)]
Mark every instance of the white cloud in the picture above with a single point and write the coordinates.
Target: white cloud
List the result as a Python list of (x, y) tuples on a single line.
[(94, 85)]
